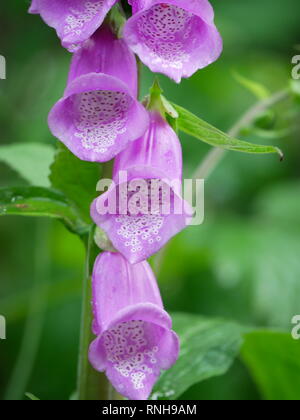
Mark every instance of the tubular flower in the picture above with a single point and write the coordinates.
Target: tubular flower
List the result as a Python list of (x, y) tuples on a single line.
[(173, 37), (140, 223), (99, 113), (74, 20), (134, 337)]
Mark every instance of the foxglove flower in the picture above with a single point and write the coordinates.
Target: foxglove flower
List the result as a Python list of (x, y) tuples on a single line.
[(173, 37), (134, 337), (74, 20), (99, 113), (141, 223)]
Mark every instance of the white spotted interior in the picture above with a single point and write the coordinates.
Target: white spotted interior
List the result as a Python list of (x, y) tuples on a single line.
[(140, 230), (127, 349), (164, 29), (144, 228), (101, 117), (76, 20)]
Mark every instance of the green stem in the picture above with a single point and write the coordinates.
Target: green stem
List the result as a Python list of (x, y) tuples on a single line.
[(214, 157), (91, 385)]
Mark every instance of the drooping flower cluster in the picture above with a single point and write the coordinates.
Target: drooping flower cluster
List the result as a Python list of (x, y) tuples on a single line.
[(173, 37), (100, 118)]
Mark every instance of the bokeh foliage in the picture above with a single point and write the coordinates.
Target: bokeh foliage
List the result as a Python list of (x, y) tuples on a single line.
[(242, 265)]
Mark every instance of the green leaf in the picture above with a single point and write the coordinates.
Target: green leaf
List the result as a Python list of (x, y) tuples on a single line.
[(208, 348), (31, 160), (76, 179), (273, 359), (191, 124), (40, 202), (257, 89)]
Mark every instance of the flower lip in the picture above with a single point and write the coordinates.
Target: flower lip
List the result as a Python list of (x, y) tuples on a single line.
[(95, 81), (97, 117), (193, 6), (147, 312), (139, 234), (133, 353), (174, 37)]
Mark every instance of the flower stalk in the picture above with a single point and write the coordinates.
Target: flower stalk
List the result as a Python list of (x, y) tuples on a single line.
[(90, 385), (99, 118)]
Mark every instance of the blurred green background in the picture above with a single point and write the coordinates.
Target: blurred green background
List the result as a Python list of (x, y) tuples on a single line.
[(242, 263)]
